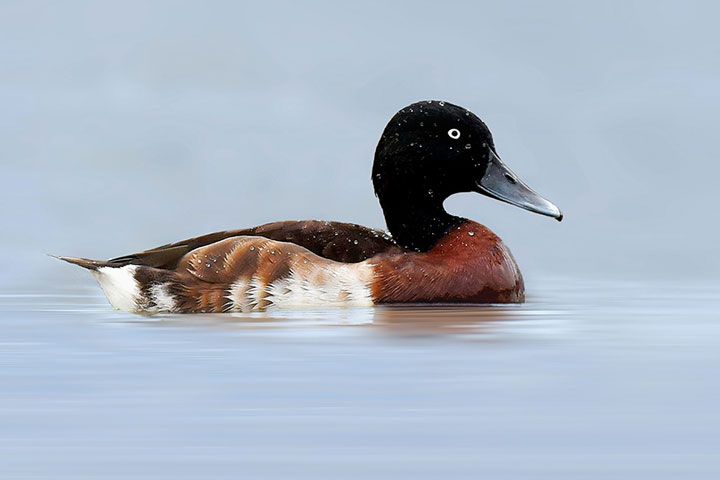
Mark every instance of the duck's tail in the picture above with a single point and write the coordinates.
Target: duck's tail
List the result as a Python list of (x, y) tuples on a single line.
[(118, 281), (84, 262)]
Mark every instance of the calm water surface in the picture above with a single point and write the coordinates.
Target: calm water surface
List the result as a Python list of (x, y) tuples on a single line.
[(587, 380)]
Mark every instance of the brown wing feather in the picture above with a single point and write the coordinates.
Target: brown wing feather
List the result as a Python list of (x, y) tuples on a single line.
[(342, 242), (240, 270)]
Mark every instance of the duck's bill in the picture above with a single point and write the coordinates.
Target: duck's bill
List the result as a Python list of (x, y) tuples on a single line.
[(501, 183)]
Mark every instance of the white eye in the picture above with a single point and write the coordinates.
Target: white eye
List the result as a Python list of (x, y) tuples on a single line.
[(454, 133)]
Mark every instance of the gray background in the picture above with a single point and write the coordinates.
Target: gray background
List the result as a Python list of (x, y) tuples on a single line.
[(125, 125)]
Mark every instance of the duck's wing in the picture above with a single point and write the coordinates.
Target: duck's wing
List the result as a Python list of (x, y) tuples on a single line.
[(342, 242), (245, 273)]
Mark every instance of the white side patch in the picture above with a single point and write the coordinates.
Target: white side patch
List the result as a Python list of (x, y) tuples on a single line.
[(331, 285), (239, 296), (164, 301), (120, 286), (255, 293)]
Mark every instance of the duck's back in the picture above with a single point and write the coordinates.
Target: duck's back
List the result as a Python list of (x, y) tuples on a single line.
[(339, 241)]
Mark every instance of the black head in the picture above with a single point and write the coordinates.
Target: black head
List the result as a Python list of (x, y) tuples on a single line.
[(429, 151)]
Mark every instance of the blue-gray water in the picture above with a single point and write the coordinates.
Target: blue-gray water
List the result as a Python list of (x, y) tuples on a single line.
[(586, 380)]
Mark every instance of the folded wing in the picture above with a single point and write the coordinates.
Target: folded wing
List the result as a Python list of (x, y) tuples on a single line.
[(338, 241)]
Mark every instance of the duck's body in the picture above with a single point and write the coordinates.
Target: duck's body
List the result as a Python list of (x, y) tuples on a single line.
[(311, 263), (430, 256)]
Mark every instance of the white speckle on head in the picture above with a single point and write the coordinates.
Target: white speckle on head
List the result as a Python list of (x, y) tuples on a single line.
[(120, 287)]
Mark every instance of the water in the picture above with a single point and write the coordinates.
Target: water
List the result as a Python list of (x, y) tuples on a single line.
[(588, 379)]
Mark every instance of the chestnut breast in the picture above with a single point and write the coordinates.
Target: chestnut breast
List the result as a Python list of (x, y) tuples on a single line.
[(470, 264)]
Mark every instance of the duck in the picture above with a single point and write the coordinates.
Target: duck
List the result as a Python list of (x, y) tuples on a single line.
[(428, 151)]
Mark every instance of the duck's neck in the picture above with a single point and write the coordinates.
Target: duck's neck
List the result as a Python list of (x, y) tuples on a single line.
[(417, 223)]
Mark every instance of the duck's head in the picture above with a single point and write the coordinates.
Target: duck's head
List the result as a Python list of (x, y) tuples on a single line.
[(431, 150)]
